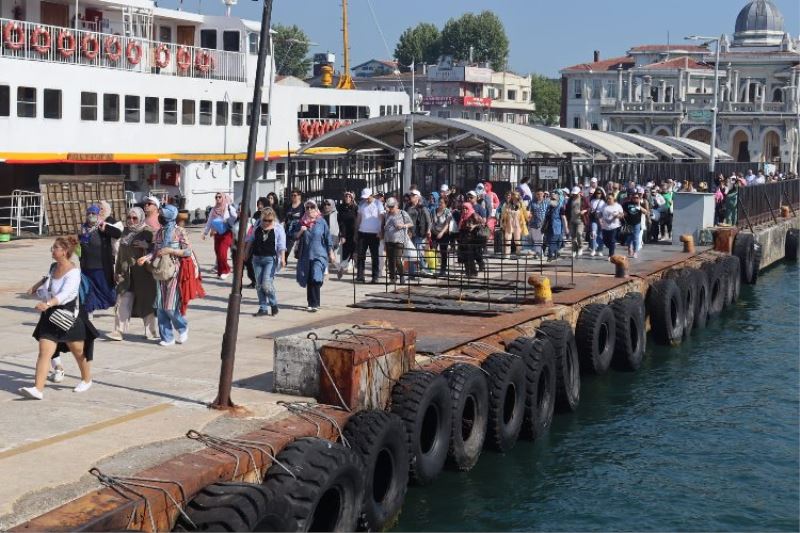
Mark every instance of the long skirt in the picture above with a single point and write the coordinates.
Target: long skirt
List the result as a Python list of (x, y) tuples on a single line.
[(101, 294)]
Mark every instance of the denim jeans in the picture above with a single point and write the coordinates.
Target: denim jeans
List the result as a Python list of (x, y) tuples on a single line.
[(554, 245), (610, 240), (635, 238), (534, 240), (414, 266), (596, 238), (265, 267), (169, 319)]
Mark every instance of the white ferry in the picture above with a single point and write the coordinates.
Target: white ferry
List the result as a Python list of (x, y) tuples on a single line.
[(159, 95)]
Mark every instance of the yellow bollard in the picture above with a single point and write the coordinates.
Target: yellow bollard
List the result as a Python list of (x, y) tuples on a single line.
[(542, 294)]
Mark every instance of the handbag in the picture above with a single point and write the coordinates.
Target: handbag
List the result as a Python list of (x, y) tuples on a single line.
[(63, 319), (163, 268)]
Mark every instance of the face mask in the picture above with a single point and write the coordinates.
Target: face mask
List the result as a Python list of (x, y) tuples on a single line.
[(162, 220), (91, 219)]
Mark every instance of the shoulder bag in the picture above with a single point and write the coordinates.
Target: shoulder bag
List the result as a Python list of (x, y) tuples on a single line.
[(61, 317), (163, 268)]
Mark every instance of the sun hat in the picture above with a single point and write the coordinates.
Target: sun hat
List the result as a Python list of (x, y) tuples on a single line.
[(366, 192)]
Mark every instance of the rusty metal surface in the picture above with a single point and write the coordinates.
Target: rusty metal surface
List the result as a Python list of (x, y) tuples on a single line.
[(108, 509)]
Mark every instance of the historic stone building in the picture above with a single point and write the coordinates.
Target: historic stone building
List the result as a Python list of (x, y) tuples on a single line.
[(669, 90)]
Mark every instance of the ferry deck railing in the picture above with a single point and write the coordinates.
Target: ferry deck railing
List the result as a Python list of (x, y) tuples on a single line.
[(198, 62), (23, 211), (760, 204)]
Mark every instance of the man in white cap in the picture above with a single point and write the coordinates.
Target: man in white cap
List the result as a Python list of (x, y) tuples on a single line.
[(592, 187), (368, 223), (577, 212)]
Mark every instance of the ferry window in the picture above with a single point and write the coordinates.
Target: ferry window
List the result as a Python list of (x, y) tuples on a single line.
[(208, 39), (252, 43), (110, 107), (165, 34), (237, 114), (363, 112), (132, 108), (262, 118), (26, 102), (5, 104), (222, 113), (51, 101), (383, 110), (205, 112), (230, 40), (88, 106), (151, 109), (187, 112), (170, 111)]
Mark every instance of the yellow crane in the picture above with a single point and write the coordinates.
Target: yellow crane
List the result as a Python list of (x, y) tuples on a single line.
[(345, 80)]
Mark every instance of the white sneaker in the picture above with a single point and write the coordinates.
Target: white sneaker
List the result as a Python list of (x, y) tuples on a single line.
[(312, 309), (224, 276), (58, 375), (167, 343), (594, 253), (115, 336), (31, 392), (183, 337), (600, 254), (83, 386), (580, 252)]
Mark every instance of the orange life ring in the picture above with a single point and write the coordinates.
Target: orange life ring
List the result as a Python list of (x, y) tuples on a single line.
[(112, 48), (90, 46), (203, 61), (183, 58), (319, 129), (43, 47), (161, 55), (65, 49), (13, 35), (305, 130), (133, 52)]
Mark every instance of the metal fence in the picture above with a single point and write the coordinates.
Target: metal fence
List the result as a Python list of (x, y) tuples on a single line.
[(23, 211), (759, 204), (55, 44)]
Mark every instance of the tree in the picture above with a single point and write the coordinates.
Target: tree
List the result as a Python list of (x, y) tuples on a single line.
[(483, 32), (291, 51), (418, 44), (547, 97)]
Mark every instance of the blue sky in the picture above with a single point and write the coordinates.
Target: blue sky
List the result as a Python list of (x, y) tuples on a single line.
[(545, 35)]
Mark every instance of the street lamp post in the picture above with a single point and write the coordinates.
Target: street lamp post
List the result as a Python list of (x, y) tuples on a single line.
[(715, 111)]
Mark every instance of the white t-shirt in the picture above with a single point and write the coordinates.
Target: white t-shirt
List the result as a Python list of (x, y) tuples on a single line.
[(370, 216), (64, 289), (608, 219)]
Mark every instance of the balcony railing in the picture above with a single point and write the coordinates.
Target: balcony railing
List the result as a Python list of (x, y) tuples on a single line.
[(55, 44)]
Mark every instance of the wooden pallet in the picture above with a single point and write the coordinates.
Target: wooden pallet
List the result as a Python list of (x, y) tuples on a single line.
[(65, 199)]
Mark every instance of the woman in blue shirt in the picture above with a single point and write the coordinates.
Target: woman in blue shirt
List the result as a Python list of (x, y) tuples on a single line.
[(316, 249)]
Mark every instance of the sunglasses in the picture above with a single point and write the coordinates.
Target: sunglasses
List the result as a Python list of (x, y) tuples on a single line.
[(217, 197), (133, 218), (267, 219)]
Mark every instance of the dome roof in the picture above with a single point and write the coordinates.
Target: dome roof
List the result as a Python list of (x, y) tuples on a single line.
[(759, 24)]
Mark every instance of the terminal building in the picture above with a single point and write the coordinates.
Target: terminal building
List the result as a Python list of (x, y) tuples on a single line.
[(668, 90)]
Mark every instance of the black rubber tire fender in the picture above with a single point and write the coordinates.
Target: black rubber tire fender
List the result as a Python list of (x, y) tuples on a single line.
[(716, 289), (507, 386), (791, 247), (469, 394), (744, 247), (380, 439), (734, 279), (540, 375), (595, 334), (702, 299), (687, 283), (231, 506), (422, 400), (665, 307), (568, 369), (325, 489), (631, 338)]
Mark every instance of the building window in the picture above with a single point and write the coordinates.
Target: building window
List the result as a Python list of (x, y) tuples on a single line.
[(187, 112), (110, 107), (576, 122), (51, 101), (230, 40), (88, 106), (525, 96), (222, 113), (5, 100), (252, 43), (132, 108), (444, 114), (26, 102), (237, 114), (512, 95), (597, 89), (509, 118), (611, 89), (465, 114), (478, 115), (577, 88), (208, 39), (170, 110), (205, 112), (151, 110)]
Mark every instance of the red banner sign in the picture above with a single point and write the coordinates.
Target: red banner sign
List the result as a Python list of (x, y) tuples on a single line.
[(474, 101)]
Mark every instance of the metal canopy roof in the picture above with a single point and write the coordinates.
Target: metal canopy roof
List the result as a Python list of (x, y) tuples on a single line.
[(698, 148), (609, 145), (657, 146)]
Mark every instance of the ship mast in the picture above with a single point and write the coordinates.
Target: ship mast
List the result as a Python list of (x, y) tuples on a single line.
[(345, 80)]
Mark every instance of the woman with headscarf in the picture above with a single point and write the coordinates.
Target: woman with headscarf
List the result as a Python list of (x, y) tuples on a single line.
[(136, 288), (220, 220), (347, 212), (468, 226), (97, 260), (170, 243), (514, 222), (316, 249)]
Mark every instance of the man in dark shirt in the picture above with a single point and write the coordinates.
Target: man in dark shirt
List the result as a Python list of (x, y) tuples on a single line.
[(294, 212)]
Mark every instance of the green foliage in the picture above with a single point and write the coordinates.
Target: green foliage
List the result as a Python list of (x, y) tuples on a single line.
[(483, 32), (547, 97), (418, 44), (291, 51)]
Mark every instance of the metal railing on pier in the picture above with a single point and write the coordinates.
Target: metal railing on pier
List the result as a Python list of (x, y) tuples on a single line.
[(760, 204), (23, 211)]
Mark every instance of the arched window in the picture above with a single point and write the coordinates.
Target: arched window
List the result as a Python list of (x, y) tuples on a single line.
[(777, 95)]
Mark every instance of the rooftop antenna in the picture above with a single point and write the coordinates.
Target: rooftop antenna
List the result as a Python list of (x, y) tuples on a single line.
[(668, 47), (228, 5)]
